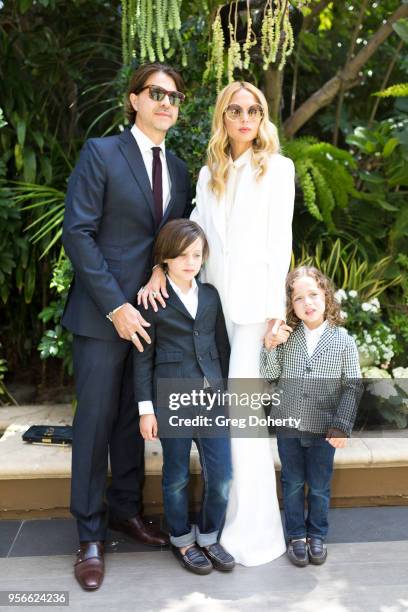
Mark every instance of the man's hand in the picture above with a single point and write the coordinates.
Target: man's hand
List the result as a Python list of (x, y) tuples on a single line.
[(129, 323), (277, 332), (154, 290), (336, 438), (148, 427)]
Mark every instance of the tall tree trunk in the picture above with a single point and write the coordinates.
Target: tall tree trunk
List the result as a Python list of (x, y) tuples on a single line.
[(273, 91), (348, 76)]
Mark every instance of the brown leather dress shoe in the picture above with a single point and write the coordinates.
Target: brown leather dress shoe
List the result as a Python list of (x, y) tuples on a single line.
[(89, 567), (137, 529)]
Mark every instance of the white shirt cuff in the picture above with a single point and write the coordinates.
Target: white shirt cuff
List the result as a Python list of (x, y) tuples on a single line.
[(146, 407)]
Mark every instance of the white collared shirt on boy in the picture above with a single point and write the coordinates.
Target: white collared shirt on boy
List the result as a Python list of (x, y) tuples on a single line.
[(145, 145), (313, 336), (190, 301)]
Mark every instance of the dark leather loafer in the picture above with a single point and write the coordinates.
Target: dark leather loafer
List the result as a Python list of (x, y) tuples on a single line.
[(297, 553), (137, 529), (317, 550), (219, 557), (89, 568), (194, 560)]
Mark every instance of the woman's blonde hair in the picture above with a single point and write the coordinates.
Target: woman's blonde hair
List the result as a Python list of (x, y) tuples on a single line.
[(332, 310), (218, 151)]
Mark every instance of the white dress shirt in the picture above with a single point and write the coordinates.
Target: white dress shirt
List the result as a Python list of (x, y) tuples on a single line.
[(234, 176), (313, 336), (145, 145), (190, 301)]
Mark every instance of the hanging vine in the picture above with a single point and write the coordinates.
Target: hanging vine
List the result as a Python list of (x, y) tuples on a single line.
[(275, 40), (151, 30)]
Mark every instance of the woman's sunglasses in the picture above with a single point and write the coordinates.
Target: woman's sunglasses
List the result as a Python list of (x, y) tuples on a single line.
[(158, 94), (234, 112)]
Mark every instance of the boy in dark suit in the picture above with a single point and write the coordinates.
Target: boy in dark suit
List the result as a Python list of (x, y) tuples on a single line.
[(188, 341)]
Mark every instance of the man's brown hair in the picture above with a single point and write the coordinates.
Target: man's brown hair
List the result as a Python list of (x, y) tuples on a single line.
[(138, 81), (175, 237)]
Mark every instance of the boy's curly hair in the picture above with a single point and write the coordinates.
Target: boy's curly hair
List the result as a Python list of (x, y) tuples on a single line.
[(332, 311)]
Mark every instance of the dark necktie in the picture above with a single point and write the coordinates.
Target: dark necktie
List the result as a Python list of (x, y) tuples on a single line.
[(157, 185)]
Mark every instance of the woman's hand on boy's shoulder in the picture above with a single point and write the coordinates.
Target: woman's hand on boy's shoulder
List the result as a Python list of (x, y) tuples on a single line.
[(277, 333)]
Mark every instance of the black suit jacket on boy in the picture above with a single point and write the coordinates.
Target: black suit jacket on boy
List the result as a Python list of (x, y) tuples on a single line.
[(109, 229), (183, 347)]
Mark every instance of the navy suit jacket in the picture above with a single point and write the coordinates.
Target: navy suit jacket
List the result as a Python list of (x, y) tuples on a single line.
[(109, 229), (183, 347)]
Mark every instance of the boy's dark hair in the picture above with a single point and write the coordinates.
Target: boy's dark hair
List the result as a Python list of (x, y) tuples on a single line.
[(139, 78), (175, 237), (332, 310)]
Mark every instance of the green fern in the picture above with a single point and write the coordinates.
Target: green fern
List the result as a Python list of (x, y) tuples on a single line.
[(324, 175), (398, 90)]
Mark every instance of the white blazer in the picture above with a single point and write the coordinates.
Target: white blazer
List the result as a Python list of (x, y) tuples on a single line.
[(248, 264)]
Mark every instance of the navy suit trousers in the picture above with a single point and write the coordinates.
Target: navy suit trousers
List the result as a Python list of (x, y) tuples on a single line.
[(106, 424)]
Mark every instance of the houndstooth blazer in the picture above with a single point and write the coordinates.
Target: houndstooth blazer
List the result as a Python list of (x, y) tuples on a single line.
[(322, 390)]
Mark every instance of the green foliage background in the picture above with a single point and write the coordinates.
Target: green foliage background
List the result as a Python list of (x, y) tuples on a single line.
[(62, 81)]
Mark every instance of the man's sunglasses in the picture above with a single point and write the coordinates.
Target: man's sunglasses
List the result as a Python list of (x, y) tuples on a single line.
[(158, 94)]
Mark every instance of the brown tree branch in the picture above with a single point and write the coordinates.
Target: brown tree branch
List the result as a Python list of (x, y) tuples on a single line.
[(350, 54), (315, 11), (348, 75)]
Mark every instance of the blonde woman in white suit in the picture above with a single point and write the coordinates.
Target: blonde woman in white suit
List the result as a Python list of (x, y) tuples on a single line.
[(244, 203)]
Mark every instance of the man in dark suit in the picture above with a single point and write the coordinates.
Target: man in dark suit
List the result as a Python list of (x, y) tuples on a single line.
[(123, 189)]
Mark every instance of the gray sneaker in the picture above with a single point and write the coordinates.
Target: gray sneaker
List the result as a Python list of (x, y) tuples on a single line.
[(194, 560), (317, 550), (219, 557), (298, 553)]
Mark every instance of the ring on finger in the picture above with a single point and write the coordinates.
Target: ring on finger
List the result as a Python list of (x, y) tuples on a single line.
[(154, 294), (133, 336)]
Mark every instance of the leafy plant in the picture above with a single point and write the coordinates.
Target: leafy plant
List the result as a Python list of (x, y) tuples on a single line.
[(374, 339), (348, 270), (325, 176), (57, 341)]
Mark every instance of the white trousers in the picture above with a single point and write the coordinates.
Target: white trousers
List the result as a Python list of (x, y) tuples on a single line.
[(253, 531)]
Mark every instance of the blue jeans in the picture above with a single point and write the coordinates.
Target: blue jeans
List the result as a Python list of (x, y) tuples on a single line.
[(215, 458), (306, 460)]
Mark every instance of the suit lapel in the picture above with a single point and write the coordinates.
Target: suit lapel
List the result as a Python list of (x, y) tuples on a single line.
[(299, 336), (202, 301), (174, 300), (325, 341), (134, 158)]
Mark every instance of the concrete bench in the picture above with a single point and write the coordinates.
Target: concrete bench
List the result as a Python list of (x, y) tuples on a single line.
[(35, 479)]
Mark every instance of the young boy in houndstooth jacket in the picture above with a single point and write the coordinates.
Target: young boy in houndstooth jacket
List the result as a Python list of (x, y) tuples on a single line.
[(320, 384)]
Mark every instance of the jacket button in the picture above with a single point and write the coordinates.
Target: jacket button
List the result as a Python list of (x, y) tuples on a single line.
[(306, 395), (308, 369), (196, 333), (200, 358)]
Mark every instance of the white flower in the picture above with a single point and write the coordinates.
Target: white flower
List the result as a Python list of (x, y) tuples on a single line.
[(366, 307), (400, 372), (343, 314), (353, 293), (373, 372), (383, 389), (374, 302), (340, 295)]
